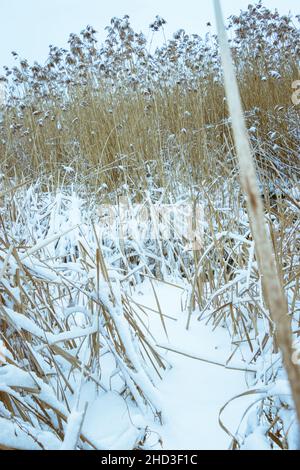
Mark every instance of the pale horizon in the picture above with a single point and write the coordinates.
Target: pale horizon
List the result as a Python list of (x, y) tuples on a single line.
[(29, 27)]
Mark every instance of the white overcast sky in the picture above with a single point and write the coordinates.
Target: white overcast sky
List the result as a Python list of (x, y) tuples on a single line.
[(29, 26)]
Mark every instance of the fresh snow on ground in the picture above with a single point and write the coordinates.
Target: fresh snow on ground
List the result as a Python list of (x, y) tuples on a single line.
[(193, 392), (108, 391)]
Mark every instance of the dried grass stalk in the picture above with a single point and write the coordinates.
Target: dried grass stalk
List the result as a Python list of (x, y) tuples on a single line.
[(273, 291)]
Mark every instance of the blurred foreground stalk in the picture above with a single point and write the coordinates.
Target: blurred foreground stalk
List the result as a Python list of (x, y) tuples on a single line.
[(272, 288)]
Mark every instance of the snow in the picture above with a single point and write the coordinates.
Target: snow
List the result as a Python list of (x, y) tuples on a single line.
[(192, 391), (13, 436), (256, 441), (73, 430), (95, 351), (129, 403), (138, 376), (110, 421)]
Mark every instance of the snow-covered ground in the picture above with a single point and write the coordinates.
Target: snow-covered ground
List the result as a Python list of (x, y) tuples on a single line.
[(116, 366), (192, 391)]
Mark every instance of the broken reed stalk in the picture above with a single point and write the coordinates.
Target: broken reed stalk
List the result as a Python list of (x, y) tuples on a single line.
[(272, 289)]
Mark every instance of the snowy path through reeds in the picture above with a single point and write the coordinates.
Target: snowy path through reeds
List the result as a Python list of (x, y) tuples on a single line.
[(193, 391)]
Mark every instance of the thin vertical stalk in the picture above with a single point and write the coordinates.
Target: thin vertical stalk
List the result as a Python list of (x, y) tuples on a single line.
[(272, 289)]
